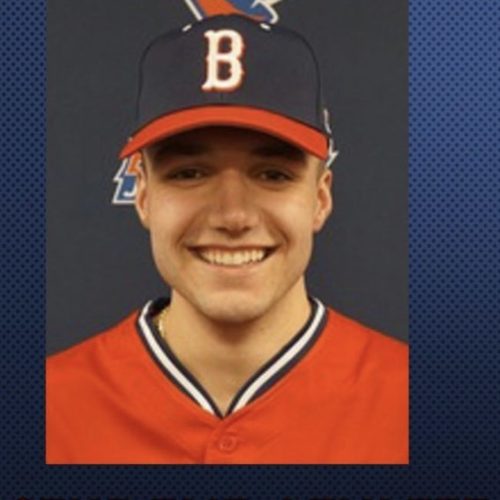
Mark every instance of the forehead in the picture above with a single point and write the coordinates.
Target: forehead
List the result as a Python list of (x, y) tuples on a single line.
[(214, 140)]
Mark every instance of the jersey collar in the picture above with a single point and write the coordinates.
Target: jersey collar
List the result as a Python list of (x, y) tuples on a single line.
[(272, 371)]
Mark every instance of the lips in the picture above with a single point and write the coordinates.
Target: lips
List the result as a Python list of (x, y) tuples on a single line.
[(233, 257)]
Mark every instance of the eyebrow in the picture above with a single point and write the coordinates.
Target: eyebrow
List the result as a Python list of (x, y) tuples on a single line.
[(273, 149), (280, 150), (171, 147)]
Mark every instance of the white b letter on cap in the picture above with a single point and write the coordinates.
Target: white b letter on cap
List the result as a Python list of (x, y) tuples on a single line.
[(216, 58)]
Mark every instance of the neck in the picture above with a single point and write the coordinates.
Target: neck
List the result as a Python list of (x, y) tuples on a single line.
[(224, 355)]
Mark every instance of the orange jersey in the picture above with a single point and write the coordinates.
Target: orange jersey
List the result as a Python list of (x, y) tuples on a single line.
[(337, 393)]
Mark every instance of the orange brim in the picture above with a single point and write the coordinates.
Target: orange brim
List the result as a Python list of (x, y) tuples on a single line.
[(303, 136)]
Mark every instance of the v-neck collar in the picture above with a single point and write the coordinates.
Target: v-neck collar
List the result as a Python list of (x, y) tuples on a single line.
[(262, 380)]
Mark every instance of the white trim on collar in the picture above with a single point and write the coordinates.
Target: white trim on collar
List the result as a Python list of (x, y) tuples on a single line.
[(174, 370), (168, 365), (294, 350)]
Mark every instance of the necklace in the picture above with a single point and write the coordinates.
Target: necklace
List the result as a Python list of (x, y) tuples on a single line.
[(161, 321)]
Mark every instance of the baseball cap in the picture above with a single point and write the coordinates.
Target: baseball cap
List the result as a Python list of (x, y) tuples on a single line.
[(230, 70)]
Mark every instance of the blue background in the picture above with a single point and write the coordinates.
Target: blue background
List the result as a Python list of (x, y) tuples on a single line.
[(454, 283)]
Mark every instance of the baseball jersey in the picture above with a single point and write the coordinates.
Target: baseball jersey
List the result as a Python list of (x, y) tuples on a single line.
[(337, 393)]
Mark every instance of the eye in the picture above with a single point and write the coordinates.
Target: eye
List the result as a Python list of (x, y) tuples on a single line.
[(274, 175), (186, 173)]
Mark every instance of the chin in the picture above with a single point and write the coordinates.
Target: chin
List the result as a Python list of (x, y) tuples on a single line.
[(232, 309)]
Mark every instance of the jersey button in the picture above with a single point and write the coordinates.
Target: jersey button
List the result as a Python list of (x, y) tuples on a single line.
[(227, 443)]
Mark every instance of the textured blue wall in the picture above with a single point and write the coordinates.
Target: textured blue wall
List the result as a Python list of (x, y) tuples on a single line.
[(454, 275)]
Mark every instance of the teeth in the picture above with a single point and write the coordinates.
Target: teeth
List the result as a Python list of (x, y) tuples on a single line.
[(233, 258)]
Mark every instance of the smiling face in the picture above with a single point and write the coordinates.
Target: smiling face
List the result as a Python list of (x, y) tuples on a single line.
[(232, 214)]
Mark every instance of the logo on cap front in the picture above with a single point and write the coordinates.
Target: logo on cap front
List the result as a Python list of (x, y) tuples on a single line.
[(224, 67)]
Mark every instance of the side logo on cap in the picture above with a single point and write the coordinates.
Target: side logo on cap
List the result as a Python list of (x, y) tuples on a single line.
[(224, 67), (259, 10)]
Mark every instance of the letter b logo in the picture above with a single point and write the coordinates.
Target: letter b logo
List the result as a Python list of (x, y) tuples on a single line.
[(224, 67)]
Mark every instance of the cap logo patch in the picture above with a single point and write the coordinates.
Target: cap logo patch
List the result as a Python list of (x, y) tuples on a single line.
[(224, 67)]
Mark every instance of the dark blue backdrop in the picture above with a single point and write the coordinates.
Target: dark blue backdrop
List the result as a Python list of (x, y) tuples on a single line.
[(454, 283)]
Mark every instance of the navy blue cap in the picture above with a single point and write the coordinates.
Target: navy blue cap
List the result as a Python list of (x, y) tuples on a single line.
[(230, 70)]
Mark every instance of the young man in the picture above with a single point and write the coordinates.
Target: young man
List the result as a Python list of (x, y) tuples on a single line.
[(239, 365)]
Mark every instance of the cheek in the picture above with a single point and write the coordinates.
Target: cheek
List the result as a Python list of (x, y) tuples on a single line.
[(171, 218), (301, 209), (295, 217), (304, 225)]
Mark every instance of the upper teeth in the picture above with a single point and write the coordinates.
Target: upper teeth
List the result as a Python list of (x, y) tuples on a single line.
[(232, 258)]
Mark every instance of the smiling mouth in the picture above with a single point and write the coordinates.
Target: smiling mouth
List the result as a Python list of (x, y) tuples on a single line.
[(233, 257)]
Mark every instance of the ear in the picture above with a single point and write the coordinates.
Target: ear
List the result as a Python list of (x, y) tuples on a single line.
[(324, 206), (141, 193)]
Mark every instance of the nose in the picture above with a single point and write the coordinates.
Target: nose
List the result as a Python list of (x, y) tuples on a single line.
[(233, 207)]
